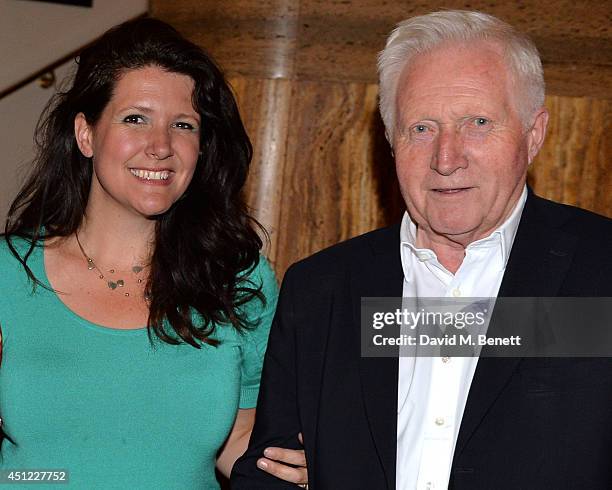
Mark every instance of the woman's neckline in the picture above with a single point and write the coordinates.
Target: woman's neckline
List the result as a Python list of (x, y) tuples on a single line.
[(69, 312)]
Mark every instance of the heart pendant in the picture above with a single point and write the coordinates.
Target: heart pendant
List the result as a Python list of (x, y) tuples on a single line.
[(112, 285)]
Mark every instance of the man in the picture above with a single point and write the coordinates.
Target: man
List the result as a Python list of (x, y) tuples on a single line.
[(462, 98)]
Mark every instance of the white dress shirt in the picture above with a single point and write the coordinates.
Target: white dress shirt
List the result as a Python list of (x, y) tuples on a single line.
[(432, 391)]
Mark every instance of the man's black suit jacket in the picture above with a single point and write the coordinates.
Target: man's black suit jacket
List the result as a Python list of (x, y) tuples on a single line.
[(532, 423)]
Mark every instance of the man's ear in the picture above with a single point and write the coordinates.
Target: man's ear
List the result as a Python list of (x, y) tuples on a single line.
[(536, 134), (84, 135)]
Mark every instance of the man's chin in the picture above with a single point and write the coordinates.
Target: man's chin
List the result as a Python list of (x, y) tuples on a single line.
[(463, 233)]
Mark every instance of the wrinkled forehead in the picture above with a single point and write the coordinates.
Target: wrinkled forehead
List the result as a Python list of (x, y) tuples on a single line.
[(455, 69), (448, 59)]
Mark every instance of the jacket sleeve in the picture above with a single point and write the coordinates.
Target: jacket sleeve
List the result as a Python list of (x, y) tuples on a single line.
[(277, 421)]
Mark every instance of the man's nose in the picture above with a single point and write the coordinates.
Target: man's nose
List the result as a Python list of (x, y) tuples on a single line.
[(450, 152), (159, 145)]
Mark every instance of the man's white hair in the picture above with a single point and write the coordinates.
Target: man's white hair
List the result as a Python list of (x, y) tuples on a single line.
[(426, 32)]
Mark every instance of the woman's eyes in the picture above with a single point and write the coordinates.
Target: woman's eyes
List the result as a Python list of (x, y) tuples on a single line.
[(184, 125), (139, 119), (134, 119)]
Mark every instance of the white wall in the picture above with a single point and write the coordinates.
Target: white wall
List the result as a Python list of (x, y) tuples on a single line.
[(34, 35), (19, 113)]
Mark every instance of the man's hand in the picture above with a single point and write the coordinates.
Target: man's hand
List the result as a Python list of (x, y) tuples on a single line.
[(286, 464)]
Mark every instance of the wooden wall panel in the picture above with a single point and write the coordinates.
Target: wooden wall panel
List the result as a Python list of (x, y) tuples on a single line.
[(254, 37), (574, 164), (337, 40), (335, 186), (312, 185), (265, 106)]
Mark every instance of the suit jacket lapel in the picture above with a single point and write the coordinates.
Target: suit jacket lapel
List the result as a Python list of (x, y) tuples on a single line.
[(541, 253), (381, 276), (540, 257)]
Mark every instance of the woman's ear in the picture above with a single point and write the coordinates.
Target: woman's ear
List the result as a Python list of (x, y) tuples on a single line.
[(84, 135)]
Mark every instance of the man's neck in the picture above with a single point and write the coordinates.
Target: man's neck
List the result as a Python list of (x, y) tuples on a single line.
[(449, 253)]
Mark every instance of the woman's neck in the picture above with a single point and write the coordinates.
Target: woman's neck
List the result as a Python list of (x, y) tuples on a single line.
[(116, 242)]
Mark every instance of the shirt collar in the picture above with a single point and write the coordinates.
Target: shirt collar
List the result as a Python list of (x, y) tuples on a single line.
[(504, 235)]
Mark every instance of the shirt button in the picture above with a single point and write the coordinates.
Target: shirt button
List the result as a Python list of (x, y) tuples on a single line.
[(440, 421), (445, 359), (456, 292)]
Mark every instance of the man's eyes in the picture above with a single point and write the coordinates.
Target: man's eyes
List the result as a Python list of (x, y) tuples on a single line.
[(478, 122), (420, 128), (481, 122)]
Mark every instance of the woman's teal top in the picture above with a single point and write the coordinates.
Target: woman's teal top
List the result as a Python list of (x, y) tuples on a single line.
[(106, 405)]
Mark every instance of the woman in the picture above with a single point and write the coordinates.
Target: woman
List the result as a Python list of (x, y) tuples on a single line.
[(134, 304)]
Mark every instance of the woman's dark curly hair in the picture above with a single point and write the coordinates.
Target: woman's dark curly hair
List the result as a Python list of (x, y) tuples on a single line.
[(206, 243)]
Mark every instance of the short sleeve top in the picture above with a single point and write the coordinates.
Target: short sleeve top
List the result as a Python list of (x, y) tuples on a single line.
[(109, 406)]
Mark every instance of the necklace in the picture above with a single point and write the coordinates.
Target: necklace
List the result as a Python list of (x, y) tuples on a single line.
[(114, 285)]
